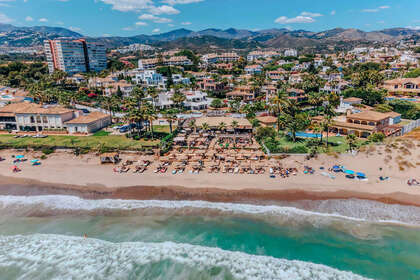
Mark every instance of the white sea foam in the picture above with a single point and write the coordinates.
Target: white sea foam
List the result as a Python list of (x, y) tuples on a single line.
[(63, 257), (324, 213)]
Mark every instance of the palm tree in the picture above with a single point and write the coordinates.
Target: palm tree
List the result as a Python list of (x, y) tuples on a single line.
[(293, 119), (178, 98), (109, 103), (328, 121), (192, 125), (205, 126), (316, 99), (318, 129), (150, 114), (326, 124), (222, 126), (278, 102), (153, 93), (234, 125), (170, 118), (351, 141)]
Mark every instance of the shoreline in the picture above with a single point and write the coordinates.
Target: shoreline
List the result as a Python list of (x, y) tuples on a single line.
[(84, 176), (28, 187)]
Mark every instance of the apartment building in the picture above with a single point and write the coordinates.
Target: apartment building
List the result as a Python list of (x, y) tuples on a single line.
[(151, 63), (277, 75), (256, 55), (253, 69), (290, 52), (210, 84), (146, 64), (224, 57), (195, 100), (75, 56), (149, 78), (244, 93)]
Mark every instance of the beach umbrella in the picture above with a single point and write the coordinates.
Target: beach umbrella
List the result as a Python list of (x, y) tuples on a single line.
[(34, 160), (20, 157), (350, 172), (360, 174)]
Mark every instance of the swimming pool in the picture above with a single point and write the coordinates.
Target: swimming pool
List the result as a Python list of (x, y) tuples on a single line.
[(404, 99), (307, 135)]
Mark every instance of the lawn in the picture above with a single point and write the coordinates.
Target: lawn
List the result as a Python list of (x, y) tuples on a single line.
[(90, 142), (283, 144)]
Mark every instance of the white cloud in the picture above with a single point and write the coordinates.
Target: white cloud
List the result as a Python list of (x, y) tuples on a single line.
[(75, 29), (141, 23), (5, 19), (309, 14), (375, 10), (176, 2), (43, 20), (156, 30), (4, 4), (28, 18), (333, 12), (304, 17), (154, 18), (128, 28), (186, 23), (165, 9), (129, 5), (414, 27), (298, 19)]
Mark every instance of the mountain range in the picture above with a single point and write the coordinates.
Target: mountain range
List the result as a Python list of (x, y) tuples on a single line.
[(215, 38)]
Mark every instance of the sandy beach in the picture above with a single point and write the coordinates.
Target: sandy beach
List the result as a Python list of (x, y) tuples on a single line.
[(85, 174)]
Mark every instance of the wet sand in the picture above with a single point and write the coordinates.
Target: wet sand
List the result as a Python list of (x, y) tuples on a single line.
[(64, 173)]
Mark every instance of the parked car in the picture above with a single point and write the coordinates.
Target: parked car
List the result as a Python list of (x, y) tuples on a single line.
[(124, 128)]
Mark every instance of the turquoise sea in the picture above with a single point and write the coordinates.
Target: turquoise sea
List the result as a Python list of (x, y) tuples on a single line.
[(66, 237)]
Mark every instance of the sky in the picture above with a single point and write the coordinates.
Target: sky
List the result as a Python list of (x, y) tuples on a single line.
[(133, 17)]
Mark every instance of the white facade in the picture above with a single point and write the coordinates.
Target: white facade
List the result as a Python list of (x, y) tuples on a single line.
[(290, 52), (74, 56), (39, 122), (83, 127)]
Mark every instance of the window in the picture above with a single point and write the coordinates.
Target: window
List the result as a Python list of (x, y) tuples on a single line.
[(38, 119), (44, 119), (32, 119)]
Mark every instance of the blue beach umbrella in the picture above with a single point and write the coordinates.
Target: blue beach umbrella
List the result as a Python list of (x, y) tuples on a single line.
[(19, 157), (360, 174), (34, 160), (350, 172)]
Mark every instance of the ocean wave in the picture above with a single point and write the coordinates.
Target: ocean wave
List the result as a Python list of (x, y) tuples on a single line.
[(321, 213), (64, 257)]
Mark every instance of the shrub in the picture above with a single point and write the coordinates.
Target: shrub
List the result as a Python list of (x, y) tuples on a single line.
[(47, 151), (265, 132), (299, 149), (376, 137)]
